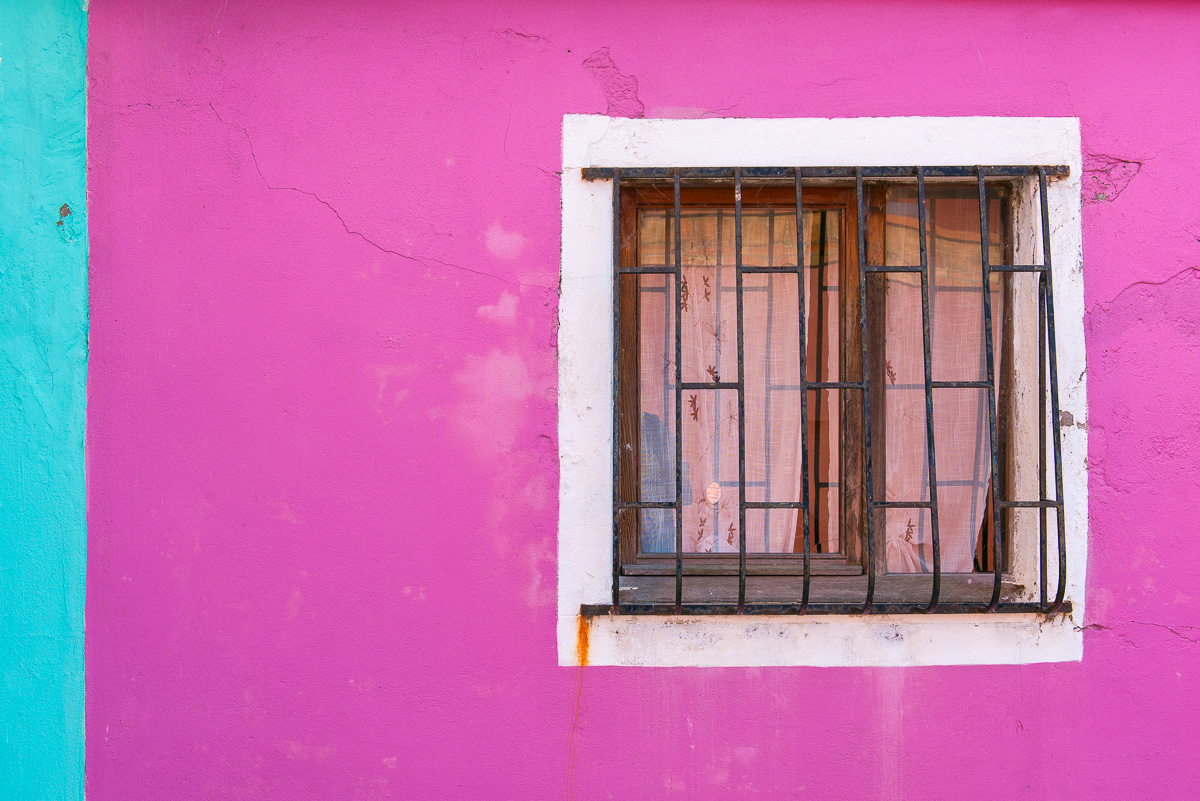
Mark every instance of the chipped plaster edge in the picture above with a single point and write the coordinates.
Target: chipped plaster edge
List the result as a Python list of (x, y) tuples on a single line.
[(585, 375)]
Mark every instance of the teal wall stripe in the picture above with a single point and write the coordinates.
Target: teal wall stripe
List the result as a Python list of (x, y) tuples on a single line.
[(43, 365)]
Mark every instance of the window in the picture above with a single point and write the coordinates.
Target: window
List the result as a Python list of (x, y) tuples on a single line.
[(810, 360)]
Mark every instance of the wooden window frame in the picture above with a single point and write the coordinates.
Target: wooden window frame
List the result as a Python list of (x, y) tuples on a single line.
[(848, 562)]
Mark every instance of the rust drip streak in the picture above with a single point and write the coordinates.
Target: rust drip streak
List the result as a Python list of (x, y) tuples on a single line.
[(581, 641), (581, 659)]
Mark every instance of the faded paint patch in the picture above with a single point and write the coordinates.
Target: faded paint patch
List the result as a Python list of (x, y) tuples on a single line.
[(496, 390), (503, 311), (503, 244), (390, 392)]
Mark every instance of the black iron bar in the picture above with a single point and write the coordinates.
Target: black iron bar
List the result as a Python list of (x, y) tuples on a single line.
[(1043, 551), (789, 173), (819, 369), (835, 385), (678, 401), (816, 608), (869, 500), (1055, 414), (984, 248), (1047, 364), (741, 385), (647, 271), (774, 270), (616, 383), (928, 351), (801, 280)]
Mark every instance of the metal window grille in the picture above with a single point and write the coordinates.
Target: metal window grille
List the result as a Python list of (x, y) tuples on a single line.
[(1047, 383)]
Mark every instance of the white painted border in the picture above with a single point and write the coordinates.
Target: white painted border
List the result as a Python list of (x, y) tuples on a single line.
[(585, 390)]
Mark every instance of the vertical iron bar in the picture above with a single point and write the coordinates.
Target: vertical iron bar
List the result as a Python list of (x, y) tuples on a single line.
[(1043, 553), (616, 399), (801, 279), (741, 390), (1055, 415), (928, 348), (770, 287), (820, 301), (984, 247), (869, 501), (678, 403)]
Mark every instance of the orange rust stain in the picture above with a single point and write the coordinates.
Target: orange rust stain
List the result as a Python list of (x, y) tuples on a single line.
[(581, 642)]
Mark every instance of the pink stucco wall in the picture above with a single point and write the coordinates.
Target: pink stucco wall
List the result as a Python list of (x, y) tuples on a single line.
[(321, 423)]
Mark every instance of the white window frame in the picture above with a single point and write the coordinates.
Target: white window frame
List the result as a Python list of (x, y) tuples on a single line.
[(585, 391)]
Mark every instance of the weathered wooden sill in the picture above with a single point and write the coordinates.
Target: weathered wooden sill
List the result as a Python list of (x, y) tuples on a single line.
[(842, 595)]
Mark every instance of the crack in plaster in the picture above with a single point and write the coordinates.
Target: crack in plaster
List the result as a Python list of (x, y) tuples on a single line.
[(423, 261), (1106, 305), (1173, 629)]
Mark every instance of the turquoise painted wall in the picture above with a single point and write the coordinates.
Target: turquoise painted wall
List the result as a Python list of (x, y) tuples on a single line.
[(43, 366)]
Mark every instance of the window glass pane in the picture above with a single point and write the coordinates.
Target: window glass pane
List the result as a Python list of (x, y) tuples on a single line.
[(961, 426), (708, 307)]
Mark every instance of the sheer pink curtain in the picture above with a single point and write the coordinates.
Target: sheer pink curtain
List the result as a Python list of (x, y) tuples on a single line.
[(772, 413), (961, 425)]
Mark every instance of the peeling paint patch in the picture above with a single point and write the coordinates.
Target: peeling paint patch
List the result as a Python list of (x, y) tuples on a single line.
[(1106, 177), (620, 90)]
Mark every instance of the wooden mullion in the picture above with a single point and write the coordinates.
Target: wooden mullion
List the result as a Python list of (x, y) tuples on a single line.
[(877, 355), (852, 471), (629, 403)]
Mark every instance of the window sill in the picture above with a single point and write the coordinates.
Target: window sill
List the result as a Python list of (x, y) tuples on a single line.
[(828, 595)]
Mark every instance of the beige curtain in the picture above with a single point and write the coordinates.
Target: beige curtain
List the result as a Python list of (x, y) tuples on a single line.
[(772, 365)]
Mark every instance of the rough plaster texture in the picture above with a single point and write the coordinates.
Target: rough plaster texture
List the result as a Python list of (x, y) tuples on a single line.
[(43, 360), (325, 244)]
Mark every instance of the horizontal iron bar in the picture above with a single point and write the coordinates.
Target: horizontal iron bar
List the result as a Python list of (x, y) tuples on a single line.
[(647, 270), (773, 505), (1030, 505), (1017, 268), (835, 385), (645, 505), (819, 567), (901, 504), (782, 173), (722, 385), (961, 385), (882, 268), (781, 270), (877, 608)]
